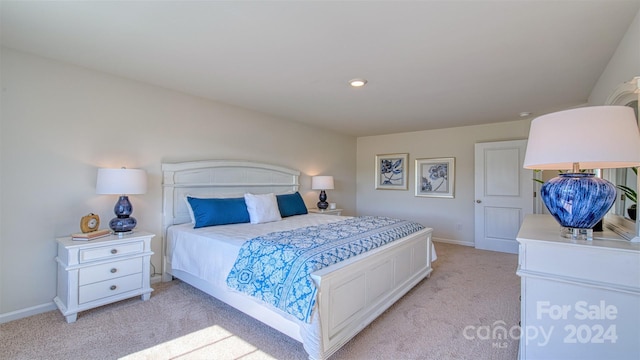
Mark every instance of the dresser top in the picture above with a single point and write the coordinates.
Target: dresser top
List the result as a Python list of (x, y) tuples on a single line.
[(540, 227), (114, 239)]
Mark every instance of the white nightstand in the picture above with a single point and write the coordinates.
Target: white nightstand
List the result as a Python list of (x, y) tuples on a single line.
[(98, 272), (326, 211)]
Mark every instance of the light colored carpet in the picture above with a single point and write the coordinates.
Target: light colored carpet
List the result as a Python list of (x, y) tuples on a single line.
[(469, 289)]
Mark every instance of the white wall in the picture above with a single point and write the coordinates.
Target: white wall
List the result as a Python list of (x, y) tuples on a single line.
[(623, 66), (451, 219), (60, 122)]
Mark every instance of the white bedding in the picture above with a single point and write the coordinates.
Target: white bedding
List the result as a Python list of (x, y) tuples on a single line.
[(209, 253)]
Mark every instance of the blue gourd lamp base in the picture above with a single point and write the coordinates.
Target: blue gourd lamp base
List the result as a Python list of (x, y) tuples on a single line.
[(578, 201), (322, 204), (123, 222)]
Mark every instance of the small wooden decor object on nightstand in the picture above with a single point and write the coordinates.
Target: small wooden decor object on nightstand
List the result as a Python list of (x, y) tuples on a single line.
[(326, 211), (102, 271)]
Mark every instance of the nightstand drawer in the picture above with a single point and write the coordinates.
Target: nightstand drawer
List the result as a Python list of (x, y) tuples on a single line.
[(105, 252), (109, 288), (112, 270)]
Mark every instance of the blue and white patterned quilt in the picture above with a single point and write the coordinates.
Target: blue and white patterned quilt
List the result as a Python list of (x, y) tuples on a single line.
[(276, 267)]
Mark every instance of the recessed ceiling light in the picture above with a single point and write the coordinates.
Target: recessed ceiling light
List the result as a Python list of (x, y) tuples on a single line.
[(525, 114), (357, 82)]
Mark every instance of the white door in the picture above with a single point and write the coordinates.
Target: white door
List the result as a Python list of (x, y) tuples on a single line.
[(503, 192)]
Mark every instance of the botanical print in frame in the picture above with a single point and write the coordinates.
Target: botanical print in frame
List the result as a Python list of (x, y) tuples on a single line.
[(391, 171), (435, 177)]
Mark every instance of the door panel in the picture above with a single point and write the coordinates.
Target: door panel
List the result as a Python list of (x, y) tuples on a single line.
[(501, 223), (503, 175), (504, 194)]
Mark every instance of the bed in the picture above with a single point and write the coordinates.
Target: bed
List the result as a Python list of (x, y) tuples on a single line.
[(350, 294)]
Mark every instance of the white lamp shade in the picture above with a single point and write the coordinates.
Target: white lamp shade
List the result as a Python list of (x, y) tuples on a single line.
[(121, 181), (322, 182), (595, 137)]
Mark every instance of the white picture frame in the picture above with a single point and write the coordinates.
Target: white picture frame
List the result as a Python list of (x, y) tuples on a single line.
[(435, 177), (392, 171)]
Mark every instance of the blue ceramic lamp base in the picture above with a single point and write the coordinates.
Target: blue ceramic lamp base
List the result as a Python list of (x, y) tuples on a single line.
[(578, 201), (123, 222), (322, 204)]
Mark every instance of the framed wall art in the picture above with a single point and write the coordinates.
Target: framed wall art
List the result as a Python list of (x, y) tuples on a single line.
[(435, 177), (391, 171)]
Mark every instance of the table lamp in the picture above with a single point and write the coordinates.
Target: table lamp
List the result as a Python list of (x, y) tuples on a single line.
[(322, 183), (122, 182), (583, 138)]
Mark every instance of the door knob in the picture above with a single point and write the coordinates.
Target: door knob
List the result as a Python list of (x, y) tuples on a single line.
[(478, 201)]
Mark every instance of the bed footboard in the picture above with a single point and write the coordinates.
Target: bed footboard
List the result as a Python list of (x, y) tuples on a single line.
[(359, 290)]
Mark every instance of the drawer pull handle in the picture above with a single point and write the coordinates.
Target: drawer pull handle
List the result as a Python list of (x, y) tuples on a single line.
[(114, 270), (114, 251), (113, 287)]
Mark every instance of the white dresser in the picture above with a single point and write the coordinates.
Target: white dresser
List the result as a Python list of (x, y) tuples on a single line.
[(580, 299), (98, 272)]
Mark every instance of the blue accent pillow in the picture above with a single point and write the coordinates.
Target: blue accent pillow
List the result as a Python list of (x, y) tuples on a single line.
[(291, 204), (211, 212)]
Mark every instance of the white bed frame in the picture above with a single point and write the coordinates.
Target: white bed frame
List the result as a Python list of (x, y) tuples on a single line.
[(351, 294)]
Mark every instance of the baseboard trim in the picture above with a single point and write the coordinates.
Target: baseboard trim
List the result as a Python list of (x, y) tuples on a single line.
[(455, 242), (39, 309), (23, 313)]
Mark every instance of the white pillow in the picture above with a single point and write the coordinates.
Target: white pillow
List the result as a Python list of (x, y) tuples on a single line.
[(193, 218), (262, 208)]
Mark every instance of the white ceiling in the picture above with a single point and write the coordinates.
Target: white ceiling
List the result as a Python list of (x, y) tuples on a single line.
[(430, 64)]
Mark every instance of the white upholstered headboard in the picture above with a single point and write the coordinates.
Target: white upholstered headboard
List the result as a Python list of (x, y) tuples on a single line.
[(224, 178)]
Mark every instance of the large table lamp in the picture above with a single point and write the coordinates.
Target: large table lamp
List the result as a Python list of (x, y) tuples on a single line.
[(122, 182), (576, 140), (322, 183)]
